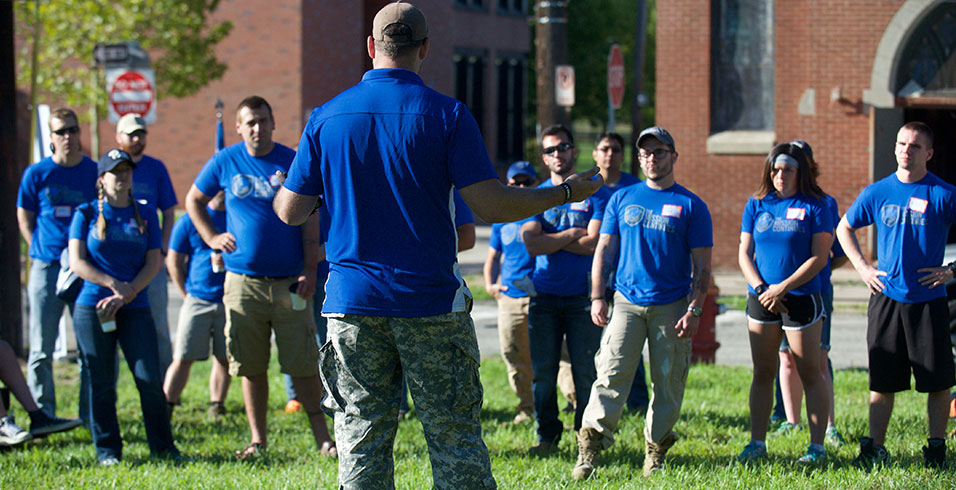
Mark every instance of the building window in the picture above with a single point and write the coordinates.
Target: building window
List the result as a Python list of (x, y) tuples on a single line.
[(510, 114), (742, 78), (474, 4), (512, 7), (470, 83)]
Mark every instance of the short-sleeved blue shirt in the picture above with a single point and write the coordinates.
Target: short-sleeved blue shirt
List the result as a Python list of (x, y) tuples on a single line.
[(782, 231), (563, 273), (53, 192), (122, 254), (152, 185), (912, 221), (265, 246), (657, 230), (516, 262), (463, 214), (201, 281), (386, 154)]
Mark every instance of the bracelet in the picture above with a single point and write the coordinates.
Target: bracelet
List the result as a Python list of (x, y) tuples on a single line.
[(567, 192), (952, 267), (597, 298)]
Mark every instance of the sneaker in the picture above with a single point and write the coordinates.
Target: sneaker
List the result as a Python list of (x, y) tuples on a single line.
[(775, 421), (216, 410), (786, 428), (834, 437), (871, 455), (654, 453), (589, 446), (293, 406), (752, 452), (109, 461), (12, 434), (934, 454), (813, 457), (42, 424), (523, 416)]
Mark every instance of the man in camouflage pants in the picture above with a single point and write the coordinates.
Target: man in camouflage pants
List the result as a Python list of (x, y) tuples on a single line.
[(386, 154)]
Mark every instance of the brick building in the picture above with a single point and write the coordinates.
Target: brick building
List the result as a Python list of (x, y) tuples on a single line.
[(735, 76)]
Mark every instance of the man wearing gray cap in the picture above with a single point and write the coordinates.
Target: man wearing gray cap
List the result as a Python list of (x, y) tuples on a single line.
[(386, 155), (152, 186), (658, 237)]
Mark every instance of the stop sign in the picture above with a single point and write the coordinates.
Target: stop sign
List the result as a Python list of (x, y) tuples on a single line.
[(615, 76), (132, 91)]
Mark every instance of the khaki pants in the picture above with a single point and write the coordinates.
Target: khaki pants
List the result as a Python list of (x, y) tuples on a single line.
[(515, 350), (616, 362)]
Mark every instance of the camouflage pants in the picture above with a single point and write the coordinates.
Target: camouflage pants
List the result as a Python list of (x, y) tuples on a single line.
[(361, 366)]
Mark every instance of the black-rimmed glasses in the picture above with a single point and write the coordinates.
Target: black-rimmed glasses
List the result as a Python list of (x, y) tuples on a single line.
[(658, 153)]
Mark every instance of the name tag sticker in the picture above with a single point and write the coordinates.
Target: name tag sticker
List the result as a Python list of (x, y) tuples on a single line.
[(62, 211), (796, 213), (918, 205), (582, 206), (671, 211), (274, 180)]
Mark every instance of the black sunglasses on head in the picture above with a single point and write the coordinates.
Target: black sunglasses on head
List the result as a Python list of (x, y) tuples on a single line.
[(67, 130), (559, 147)]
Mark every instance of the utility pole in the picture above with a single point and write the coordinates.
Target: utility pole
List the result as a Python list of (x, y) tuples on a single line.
[(640, 32), (551, 49), (10, 321)]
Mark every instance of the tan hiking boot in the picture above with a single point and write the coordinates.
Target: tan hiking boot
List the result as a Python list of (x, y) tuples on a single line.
[(654, 454), (589, 446)]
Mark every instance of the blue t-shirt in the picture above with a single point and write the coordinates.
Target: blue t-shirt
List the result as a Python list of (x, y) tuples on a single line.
[(265, 246), (52, 192), (826, 286), (122, 254), (912, 223), (152, 185), (783, 232), (516, 262), (657, 230), (201, 281), (386, 154), (625, 181), (563, 273)]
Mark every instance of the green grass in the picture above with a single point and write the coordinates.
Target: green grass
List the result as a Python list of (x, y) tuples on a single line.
[(733, 302), (712, 428)]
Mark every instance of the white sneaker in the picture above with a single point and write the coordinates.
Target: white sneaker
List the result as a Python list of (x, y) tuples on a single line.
[(12, 434)]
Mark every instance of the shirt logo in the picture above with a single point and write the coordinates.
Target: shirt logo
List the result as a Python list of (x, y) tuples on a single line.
[(764, 222), (671, 211), (918, 205), (243, 185), (62, 211), (633, 214), (509, 233), (796, 213), (892, 214)]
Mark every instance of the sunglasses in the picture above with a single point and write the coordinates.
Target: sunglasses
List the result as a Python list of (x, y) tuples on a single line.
[(658, 154), (67, 130), (559, 147)]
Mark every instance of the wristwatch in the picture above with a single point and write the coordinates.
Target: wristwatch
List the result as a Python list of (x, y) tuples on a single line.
[(761, 288), (696, 311)]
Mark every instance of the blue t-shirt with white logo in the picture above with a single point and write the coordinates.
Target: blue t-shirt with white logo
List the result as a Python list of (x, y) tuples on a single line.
[(53, 192), (265, 246), (152, 185), (201, 281), (386, 155), (516, 262), (912, 222), (563, 273), (783, 230), (122, 254), (657, 230)]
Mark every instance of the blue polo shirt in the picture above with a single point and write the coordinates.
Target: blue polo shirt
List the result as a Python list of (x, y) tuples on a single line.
[(122, 254), (564, 273), (386, 154), (152, 185), (265, 246), (912, 222), (201, 281), (53, 192), (516, 262), (782, 230), (657, 229)]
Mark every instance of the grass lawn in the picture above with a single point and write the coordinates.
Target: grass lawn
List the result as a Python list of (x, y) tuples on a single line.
[(713, 429)]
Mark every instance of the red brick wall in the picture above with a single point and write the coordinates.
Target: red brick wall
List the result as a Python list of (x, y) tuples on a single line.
[(820, 44)]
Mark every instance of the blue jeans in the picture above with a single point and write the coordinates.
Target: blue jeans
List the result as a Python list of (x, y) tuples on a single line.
[(137, 336), (321, 329), (158, 308), (550, 319), (44, 327)]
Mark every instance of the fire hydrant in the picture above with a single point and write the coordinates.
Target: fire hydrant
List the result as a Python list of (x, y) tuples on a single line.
[(704, 343)]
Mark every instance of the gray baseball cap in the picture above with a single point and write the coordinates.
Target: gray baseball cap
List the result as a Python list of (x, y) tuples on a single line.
[(400, 13), (658, 133)]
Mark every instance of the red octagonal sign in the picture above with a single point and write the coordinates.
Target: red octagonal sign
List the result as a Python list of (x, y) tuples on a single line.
[(615, 76), (131, 93)]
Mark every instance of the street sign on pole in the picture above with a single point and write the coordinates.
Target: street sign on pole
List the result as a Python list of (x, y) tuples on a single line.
[(110, 54), (564, 85), (615, 76), (131, 91)]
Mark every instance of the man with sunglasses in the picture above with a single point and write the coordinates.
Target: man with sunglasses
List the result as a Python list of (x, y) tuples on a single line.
[(563, 239), (50, 191)]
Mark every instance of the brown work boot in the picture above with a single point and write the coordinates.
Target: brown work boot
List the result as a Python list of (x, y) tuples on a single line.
[(589, 446), (654, 453)]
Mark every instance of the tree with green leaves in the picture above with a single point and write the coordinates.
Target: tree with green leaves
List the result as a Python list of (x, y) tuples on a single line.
[(177, 34)]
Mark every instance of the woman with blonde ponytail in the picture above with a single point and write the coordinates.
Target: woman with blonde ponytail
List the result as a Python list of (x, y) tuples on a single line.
[(117, 252)]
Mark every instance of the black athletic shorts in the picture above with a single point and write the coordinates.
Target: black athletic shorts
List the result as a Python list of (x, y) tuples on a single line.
[(904, 337), (804, 310)]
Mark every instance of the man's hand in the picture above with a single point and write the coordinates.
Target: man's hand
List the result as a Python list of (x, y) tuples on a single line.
[(306, 285), (496, 290), (599, 312), (687, 325), (582, 185), (871, 277), (936, 276), (223, 241)]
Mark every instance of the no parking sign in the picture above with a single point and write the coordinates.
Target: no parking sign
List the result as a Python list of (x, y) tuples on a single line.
[(131, 91)]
